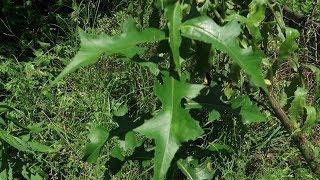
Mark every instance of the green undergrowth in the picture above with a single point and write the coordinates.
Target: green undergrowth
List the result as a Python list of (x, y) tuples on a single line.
[(90, 96), (304, 7), (67, 111)]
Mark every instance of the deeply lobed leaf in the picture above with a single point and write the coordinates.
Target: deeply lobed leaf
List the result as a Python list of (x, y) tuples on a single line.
[(311, 119), (250, 113), (93, 46), (289, 45), (257, 10), (225, 39), (297, 105), (173, 124)]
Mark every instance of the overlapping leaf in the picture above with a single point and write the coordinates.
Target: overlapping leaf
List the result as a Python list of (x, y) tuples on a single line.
[(257, 10), (242, 105), (173, 124), (25, 146), (173, 15), (253, 30), (205, 7), (129, 143), (225, 39), (287, 47), (15, 142), (249, 112), (93, 46), (127, 138), (195, 171), (290, 44), (98, 136), (297, 105), (311, 119)]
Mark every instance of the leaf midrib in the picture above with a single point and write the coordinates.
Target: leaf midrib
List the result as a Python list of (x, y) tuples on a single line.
[(202, 30), (183, 168), (174, 33), (114, 42), (170, 125)]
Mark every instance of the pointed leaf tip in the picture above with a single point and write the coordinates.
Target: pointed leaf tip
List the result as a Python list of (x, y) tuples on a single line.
[(93, 46), (225, 39), (98, 136), (172, 125)]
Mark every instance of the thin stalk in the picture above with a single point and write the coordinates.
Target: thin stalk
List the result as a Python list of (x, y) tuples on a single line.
[(297, 136), (278, 20)]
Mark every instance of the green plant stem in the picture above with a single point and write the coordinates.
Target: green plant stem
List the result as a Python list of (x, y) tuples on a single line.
[(297, 136), (217, 14), (283, 28)]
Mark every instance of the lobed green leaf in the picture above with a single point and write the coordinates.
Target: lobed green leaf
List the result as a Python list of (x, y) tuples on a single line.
[(297, 105), (311, 119), (289, 45), (225, 39), (93, 46), (213, 116), (172, 125), (257, 10), (250, 113)]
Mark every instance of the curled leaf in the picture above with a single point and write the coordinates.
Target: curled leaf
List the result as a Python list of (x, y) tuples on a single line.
[(195, 171), (311, 119), (297, 105), (225, 39)]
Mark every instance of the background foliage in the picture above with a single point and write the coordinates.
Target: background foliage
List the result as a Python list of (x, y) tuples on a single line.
[(39, 38)]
